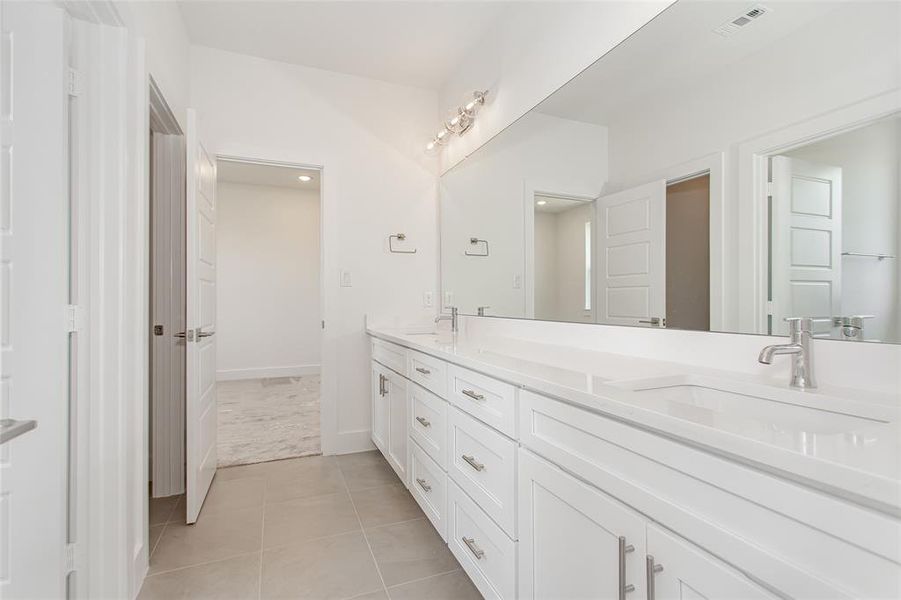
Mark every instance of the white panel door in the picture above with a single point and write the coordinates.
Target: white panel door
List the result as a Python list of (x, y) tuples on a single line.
[(34, 275), (806, 240), (631, 241), (683, 571), (380, 408), (397, 424), (200, 371), (575, 541)]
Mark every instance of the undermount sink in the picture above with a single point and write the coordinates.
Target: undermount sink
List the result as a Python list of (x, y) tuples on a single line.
[(718, 402)]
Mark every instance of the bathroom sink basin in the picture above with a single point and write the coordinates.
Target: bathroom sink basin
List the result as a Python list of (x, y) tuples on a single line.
[(744, 407)]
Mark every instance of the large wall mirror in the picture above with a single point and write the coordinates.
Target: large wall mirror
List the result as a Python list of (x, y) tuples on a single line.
[(728, 166)]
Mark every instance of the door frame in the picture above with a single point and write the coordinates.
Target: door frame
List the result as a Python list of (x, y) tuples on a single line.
[(753, 178), (566, 191), (328, 380)]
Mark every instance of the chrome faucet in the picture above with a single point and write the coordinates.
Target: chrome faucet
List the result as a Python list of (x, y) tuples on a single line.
[(801, 329), (452, 317)]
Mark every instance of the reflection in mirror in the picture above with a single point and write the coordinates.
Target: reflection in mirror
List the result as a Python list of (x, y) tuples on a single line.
[(702, 175)]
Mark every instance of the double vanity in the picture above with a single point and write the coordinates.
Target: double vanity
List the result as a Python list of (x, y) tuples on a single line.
[(637, 478)]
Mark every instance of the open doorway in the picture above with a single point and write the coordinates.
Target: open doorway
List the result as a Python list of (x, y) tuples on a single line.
[(268, 311)]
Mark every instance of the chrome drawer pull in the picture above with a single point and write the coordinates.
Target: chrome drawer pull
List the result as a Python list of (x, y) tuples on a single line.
[(423, 371), (424, 422), (424, 484), (623, 550), (652, 570), (472, 395), (471, 544), (473, 463)]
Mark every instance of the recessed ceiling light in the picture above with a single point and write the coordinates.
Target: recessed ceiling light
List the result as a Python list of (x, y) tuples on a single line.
[(541, 202), (304, 178)]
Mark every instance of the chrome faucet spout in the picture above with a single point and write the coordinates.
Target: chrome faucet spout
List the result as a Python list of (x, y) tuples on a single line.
[(452, 317), (800, 348)]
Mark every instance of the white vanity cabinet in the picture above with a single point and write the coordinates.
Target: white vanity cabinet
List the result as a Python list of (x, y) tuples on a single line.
[(389, 417)]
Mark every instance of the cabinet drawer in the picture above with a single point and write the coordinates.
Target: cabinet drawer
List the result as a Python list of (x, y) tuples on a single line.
[(391, 355), (483, 463), (427, 371), (428, 422), (486, 554), (428, 484), (487, 399)]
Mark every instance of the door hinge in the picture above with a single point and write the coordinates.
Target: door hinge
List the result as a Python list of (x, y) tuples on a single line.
[(769, 307), (73, 83), (74, 318), (71, 558), (769, 188), (323, 324)]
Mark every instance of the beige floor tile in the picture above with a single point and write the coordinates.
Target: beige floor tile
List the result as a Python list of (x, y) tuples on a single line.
[(304, 480), (178, 513), (233, 578), (154, 536), (335, 567), (360, 459), (161, 508), (451, 586), (213, 537), (297, 520), (385, 505), (236, 494), (365, 476), (409, 551), (379, 595)]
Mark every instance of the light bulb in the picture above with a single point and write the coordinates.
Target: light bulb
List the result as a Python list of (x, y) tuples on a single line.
[(541, 202), (304, 178)]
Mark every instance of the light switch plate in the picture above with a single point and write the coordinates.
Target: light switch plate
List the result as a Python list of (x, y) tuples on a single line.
[(448, 299), (345, 279), (517, 281), (427, 299)]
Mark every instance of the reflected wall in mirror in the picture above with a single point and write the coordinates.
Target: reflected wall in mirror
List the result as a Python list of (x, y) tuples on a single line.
[(699, 177)]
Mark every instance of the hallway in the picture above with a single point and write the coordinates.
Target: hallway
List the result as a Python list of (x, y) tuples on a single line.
[(318, 527), (268, 419)]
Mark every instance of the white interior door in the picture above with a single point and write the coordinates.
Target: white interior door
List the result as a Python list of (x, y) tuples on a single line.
[(34, 278), (200, 371), (806, 240), (631, 242)]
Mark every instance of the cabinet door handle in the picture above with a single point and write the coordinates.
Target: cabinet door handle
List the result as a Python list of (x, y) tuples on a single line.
[(472, 395), (424, 484), (424, 422), (471, 544), (423, 371), (383, 388), (473, 463), (652, 570), (624, 549)]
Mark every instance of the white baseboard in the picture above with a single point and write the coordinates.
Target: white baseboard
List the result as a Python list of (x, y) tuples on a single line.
[(349, 442), (266, 372)]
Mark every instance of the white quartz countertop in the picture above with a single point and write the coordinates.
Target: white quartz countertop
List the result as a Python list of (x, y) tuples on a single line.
[(844, 442)]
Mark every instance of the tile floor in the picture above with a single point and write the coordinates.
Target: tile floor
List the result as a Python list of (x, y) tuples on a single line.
[(317, 527), (268, 419)]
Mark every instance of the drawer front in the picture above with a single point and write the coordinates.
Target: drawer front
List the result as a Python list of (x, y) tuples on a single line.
[(427, 422), (483, 463), (487, 399), (427, 371), (428, 484), (391, 355), (486, 554)]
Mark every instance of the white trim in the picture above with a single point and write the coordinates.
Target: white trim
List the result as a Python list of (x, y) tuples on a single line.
[(530, 189), (752, 193), (266, 372)]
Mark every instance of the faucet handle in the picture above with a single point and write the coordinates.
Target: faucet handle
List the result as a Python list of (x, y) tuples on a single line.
[(805, 324)]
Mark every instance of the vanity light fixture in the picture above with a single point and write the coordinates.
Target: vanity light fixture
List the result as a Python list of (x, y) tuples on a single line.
[(304, 178), (541, 202), (460, 121)]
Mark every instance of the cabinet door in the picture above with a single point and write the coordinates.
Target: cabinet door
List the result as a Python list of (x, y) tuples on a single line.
[(677, 569), (379, 408), (397, 424), (574, 540)]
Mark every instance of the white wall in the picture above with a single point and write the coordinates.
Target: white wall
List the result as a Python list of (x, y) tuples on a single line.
[(847, 55), (869, 158), (267, 243), (166, 48), (368, 136), (484, 197), (532, 54)]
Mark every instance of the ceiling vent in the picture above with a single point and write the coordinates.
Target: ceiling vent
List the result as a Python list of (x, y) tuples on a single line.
[(733, 25)]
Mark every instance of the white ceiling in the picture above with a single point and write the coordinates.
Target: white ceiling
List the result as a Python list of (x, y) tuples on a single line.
[(411, 43), (554, 204), (256, 174), (674, 51)]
